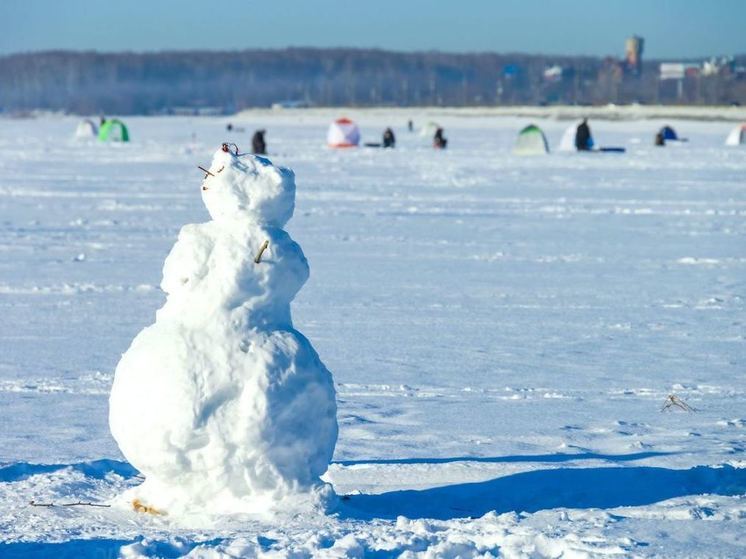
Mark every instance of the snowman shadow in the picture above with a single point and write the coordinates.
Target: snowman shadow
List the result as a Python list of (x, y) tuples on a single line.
[(557, 488)]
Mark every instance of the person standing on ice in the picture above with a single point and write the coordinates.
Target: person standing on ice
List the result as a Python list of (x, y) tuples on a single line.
[(389, 140), (258, 145), (221, 404), (583, 141), (439, 142)]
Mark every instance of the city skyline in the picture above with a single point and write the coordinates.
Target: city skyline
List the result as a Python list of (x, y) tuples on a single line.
[(672, 30)]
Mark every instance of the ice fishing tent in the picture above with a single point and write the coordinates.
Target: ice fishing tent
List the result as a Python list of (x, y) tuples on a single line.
[(113, 130), (668, 133), (567, 143), (86, 129), (737, 137), (343, 133), (531, 141)]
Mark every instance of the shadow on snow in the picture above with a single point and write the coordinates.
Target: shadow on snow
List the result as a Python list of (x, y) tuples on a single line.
[(97, 469), (577, 488), (103, 548), (73, 549), (560, 457)]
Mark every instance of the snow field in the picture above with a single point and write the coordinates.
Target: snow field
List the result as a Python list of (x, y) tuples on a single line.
[(503, 333)]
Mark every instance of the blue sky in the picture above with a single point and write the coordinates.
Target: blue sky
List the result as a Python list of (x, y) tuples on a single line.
[(682, 28)]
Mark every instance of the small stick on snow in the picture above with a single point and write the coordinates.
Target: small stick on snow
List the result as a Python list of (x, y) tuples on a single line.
[(674, 401), (78, 504), (261, 251), (201, 168)]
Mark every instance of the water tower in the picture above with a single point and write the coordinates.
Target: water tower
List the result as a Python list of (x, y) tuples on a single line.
[(633, 54)]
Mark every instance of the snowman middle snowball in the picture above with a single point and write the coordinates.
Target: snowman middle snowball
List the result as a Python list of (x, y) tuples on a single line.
[(221, 404)]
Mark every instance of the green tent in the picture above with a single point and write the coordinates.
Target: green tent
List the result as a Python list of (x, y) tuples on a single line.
[(531, 141), (113, 130)]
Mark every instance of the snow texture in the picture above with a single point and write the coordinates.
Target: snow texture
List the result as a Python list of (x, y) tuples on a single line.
[(221, 404)]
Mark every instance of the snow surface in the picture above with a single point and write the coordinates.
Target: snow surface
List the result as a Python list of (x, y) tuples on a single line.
[(503, 332)]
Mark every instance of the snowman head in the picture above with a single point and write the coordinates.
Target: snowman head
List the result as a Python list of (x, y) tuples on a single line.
[(248, 187)]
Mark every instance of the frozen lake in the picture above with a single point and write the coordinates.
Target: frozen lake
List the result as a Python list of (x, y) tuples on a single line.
[(503, 332)]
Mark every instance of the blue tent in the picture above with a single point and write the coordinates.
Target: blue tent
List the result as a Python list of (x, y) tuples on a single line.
[(669, 133)]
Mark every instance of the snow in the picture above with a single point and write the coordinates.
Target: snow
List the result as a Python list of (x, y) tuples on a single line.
[(503, 333), (221, 404)]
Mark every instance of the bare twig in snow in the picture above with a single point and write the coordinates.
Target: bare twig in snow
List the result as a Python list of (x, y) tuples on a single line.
[(674, 401), (261, 251), (77, 504)]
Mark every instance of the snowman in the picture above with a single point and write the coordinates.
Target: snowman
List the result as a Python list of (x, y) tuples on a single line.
[(221, 404)]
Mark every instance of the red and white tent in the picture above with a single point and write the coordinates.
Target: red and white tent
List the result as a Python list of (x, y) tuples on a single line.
[(343, 133)]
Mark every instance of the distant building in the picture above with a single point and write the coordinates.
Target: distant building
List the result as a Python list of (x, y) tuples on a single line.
[(195, 111), (633, 48), (678, 70), (715, 66), (290, 104), (553, 73), (710, 67)]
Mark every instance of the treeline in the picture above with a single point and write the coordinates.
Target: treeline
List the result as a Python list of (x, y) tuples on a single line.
[(148, 83)]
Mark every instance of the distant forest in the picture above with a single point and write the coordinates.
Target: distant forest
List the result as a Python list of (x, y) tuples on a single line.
[(167, 82)]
